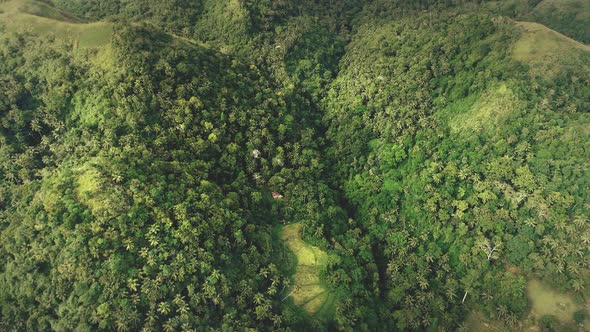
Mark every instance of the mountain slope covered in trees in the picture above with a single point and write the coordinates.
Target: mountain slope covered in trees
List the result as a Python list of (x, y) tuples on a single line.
[(434, 154)]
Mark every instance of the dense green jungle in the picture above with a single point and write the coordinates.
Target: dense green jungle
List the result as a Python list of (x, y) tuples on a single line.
[(282, 165)]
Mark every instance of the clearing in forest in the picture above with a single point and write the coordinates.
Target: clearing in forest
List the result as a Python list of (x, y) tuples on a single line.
[(547, 301), (547, 51), (489, 111), (43, 19), (544, 301), (307, 291)]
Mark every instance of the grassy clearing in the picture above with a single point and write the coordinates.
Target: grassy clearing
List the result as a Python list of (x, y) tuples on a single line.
[(547, 301), (489, 111), (36, 8), (308, 291), (477, 322), (543, 301), (545, 50), (570, 17), (90, 188), (580, 9), (88, 182), (44, 20)]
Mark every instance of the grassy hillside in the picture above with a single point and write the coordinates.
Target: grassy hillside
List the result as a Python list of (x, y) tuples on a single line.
[(433, 155), (570, 17), (37, 8), (547, 51), (42, 19)]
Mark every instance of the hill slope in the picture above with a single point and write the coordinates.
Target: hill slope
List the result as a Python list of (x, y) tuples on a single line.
[(448, 150), (42, 19), (547, 51), (570, 17), (434, 152)]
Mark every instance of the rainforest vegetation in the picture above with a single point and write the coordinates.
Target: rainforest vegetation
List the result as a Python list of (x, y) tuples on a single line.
[(276, 165)]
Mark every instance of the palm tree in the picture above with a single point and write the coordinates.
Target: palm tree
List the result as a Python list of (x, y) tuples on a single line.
[(409, 300), (502, 311), (423, 283), (286, 284), (35, 125), (258, 298), (451, 294), (559, 268), (319, 232), (164, 308), (531, 222), (512, 320), (276, 320), (10, 177), (560, 225), (581, 221), (170, 325), (579, 251)]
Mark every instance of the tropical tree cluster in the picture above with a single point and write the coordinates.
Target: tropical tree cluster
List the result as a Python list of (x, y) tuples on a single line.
[(143, 187)]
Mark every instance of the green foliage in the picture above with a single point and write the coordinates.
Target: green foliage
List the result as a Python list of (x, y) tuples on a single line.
[(427, 171), (579, 316), (569, 17), (432, 154), (42, 19), (152, 213), (517, 249), (548, 323)]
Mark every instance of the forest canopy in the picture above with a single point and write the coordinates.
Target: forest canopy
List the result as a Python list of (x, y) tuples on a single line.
[(294, 165)]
